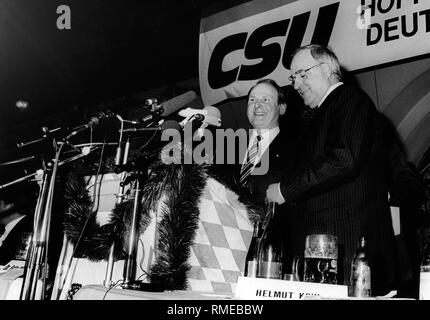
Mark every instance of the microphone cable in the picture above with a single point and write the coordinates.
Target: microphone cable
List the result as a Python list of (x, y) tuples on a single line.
[(95, 205), (75, 247), (147, 142), (113, 286), (95, 195)]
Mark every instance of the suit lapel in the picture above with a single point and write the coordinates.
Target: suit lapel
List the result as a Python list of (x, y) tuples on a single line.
[(328, 100)]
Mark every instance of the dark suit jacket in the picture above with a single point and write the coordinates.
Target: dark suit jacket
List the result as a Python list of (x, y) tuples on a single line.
[(281, 156), (281, 159), (339, 186)]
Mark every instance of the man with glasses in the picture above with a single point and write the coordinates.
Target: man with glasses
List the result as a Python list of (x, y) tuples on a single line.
[(339, 184)]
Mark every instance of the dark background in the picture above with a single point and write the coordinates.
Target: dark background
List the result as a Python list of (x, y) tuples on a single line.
[(114, 52)]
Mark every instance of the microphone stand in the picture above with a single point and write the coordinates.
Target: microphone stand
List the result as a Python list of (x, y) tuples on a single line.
[(27, 177), (36, 263), (17, 161), (119, 199), (129, 273), (137, 174), (64, 268)]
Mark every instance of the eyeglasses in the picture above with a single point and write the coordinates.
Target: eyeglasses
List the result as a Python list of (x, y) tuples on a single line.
[(303, 74)]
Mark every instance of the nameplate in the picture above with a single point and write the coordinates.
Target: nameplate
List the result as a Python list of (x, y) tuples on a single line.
[(270, 289)]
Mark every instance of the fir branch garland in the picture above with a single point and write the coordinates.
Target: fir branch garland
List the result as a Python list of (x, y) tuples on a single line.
[(172, 190), (180, 216)]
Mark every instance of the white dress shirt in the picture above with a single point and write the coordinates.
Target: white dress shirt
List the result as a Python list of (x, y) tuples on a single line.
[(267, 136)]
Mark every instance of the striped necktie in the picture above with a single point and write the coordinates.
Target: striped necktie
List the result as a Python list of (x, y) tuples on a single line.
[(248, 165)]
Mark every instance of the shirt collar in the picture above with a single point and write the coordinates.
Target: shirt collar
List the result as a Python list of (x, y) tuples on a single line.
[(265, 134), (334, 86)]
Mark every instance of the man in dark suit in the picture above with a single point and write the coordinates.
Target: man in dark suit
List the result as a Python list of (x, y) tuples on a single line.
[(339, 185), (266, 103), (266, 106), (276, 126)]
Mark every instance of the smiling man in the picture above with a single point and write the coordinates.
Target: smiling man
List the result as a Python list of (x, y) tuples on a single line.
[(277, 141), (270, 145), (338, 186), (256, 165), (266, 103)]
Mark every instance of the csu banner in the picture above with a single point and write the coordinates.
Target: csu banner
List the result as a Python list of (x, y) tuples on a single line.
[(255, 40)]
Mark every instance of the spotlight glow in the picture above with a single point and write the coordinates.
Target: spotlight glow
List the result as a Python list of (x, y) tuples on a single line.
[(21, 104)]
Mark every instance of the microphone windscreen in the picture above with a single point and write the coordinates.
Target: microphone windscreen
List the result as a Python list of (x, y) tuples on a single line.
[(177, 103), (213, 115)]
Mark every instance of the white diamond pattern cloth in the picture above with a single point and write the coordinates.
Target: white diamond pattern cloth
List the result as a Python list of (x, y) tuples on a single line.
[(217, 256)]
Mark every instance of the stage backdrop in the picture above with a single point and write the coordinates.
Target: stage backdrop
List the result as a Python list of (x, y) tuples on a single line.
[(255, 40)]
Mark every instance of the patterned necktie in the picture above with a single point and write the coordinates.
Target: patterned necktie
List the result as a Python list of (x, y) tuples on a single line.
[(248, 165)]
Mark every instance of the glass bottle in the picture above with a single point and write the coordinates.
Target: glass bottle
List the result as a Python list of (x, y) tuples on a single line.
[(251, 261), (425, 275), (360, 272), (270, 249)]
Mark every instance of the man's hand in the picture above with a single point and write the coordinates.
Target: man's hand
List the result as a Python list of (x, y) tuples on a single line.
[(273, 193)]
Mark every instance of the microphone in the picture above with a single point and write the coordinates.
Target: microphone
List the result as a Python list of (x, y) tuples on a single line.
[(138, 162), (93, 122), (142, 159), (208, 115), (169, 124), (151, 116), (168, 107), (46, 133), (177, 103)]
